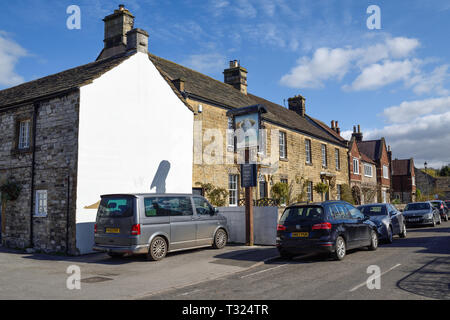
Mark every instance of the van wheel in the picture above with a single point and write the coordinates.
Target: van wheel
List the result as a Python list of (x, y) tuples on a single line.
[(373, 241), (340, 250), (157, 250), (220, 239)]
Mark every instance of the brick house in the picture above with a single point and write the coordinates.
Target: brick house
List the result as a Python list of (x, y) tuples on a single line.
[(403, 180), (362, 173), (376, 153), (68, 138)]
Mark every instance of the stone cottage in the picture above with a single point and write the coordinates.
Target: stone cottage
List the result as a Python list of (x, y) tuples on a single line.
[(104, 127), (306, 150)]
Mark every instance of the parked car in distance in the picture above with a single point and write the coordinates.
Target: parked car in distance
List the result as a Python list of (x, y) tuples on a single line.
[(155, 224), (330, 227), (442, 207), (421, 213), (387, 218)]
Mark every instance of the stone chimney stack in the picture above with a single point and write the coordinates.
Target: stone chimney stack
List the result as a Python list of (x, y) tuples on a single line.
[(236, 76), (137, 40), (298, 105), (117, 25), (357, 133)]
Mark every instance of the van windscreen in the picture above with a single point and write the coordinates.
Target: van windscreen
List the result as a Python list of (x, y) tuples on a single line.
[(116, 207)]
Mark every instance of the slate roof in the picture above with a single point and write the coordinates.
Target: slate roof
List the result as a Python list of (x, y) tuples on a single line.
[(59, 82), (401, 167), (199, 85), (371, 148)]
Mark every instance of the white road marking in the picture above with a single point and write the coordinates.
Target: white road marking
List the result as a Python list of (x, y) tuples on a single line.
[(190, 292), (365, 282), (255, 273)]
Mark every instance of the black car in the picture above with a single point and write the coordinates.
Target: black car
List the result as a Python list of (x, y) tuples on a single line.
[(324, 227), (442, 207), (388, 219), (421, 213)]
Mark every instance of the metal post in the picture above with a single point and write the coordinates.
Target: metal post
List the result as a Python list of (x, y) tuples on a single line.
[(248, 208)]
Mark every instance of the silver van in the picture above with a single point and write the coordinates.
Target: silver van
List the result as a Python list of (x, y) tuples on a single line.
[(155, 224)]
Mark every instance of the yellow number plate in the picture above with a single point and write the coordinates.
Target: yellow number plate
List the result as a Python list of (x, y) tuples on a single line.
[(112, 230), (300, 235)]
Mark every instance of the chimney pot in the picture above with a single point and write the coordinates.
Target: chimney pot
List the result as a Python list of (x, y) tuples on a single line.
[(298, 105), (332, 124), (236, 76), (137, 39)]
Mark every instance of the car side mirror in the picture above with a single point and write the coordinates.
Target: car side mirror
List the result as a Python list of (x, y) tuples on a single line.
[(214, 211), (366, 217)]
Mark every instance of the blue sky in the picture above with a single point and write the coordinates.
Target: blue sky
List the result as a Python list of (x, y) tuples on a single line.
[(394, 82)]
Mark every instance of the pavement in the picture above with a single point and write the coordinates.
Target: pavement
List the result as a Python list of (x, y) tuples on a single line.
[(40, 276)]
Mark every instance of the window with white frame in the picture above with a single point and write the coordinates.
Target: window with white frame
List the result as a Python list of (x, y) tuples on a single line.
[(283, 153), (308, 151), (309, 191), (368, 170), (24, 134), (233, 189), (338, 192), (41, 203), (324, 156), (383, 196), (230, 135), (413, 181), (385, 172), (355, 166), (337, 159)]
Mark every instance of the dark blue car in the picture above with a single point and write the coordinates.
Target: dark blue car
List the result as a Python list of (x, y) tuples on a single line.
[(330, 227), (388, 219)]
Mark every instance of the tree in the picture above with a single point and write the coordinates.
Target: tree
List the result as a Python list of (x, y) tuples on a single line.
[(280, 192), (445, 171), (217, 196), (321, 188), (346, 194)]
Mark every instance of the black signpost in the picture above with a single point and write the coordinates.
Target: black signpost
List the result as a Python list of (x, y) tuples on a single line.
[(248, 170)]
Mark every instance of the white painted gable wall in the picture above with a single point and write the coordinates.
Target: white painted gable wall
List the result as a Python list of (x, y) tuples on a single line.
[(130, 121)]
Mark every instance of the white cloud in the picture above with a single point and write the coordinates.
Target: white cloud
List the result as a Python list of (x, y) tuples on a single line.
[(375, 65), (325, 64), (425, 139), (432, 82), (379, 75), (10, 53), (410, 110), (206, 63)]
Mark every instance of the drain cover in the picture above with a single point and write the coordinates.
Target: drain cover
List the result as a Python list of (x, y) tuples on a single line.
[(95, 280)]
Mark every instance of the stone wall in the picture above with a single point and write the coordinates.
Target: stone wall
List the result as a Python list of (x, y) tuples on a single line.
[(56, 148)]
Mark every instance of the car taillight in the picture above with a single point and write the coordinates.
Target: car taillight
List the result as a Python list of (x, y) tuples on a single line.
[(442, 206), (322, 226), (136, 230), (95, 228), (280, 227)]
